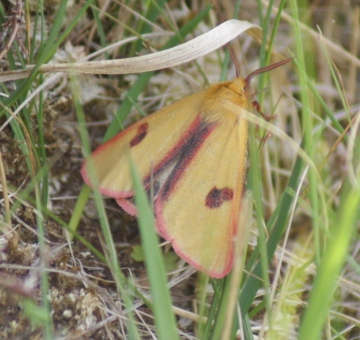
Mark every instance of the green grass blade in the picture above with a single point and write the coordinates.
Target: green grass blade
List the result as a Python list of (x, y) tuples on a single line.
[(309, 142), (121, 282), (279, 219), (155, 267), (342, 229)]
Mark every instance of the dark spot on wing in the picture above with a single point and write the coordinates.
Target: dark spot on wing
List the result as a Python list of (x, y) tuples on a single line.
[(140, 134), (216, 197)]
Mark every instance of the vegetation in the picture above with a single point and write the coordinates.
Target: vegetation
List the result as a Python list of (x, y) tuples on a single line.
[(72, 262)]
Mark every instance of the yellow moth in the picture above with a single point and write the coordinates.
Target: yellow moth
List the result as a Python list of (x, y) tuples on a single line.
[(193, 155)]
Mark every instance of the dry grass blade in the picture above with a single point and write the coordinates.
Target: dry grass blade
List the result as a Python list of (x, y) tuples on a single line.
[(195, 48)]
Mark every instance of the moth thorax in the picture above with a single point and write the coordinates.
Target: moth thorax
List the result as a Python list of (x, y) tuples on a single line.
[(214, 107)]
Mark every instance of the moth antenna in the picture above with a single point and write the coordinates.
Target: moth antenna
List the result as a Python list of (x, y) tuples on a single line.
[(266, 69)]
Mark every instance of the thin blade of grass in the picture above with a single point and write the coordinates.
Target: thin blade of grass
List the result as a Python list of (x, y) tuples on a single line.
[(223, 325), (341, 231), (155, 267), (277, 224), (121, 282)]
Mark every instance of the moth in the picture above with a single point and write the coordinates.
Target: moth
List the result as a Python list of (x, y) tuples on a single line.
[(192, 154)]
